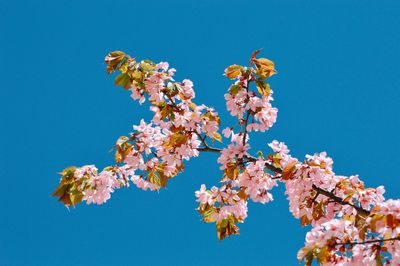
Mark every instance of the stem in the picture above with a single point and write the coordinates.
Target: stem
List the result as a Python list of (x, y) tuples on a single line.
[(245, 127), (248, 111)]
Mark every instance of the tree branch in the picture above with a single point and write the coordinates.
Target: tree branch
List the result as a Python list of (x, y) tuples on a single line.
[(202, 139), (267, 165), (210, 149), (319, 190), (339, 200), (369, 241)]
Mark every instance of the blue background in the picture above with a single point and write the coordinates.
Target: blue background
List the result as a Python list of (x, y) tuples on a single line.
[(337, 90)]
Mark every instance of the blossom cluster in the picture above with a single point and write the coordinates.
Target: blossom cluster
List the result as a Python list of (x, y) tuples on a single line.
[(343, 242), (351, 224), (244, 176), (85, 183), (241, 181), (242, 102), (154, 152)]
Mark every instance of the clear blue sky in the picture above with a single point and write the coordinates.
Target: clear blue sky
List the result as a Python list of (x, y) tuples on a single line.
[(338, 90)]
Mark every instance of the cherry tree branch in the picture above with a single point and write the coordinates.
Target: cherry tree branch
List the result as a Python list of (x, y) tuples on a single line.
[(369, 241), (339, 200), (210, 149), (202, 140), (319, 190)]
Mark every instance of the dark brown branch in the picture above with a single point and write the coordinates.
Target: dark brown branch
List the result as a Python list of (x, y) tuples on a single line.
[(267, 165), (339, 200), (315, 197), (210, 149), (369, 241), (248, 157), (276, 177), (202, 139), (174, 105)]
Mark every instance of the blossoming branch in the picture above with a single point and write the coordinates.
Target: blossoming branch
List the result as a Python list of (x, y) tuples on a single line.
[(350, 224)]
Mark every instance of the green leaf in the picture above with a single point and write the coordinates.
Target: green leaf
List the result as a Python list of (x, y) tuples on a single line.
[(263, 88), (123, 80), (234, 89), (60, 190), (147, 65), (67, 191)]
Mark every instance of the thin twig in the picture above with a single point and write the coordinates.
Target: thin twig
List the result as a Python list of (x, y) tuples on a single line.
[(245, 127)]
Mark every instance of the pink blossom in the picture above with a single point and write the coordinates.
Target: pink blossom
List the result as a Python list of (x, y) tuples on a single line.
[(210, 127), (227, 132), (162, 66), (203, 196), (143, 184)]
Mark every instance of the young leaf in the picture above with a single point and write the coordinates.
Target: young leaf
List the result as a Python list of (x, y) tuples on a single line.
[(123, 148), (234, 89), (217, 137), (302, 253), (123, 80), (263, 88), (255, 53), (232, 171), (231, 72), (113, 59), (288, 171), (265, 67), (318, 211), (323, 255)]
